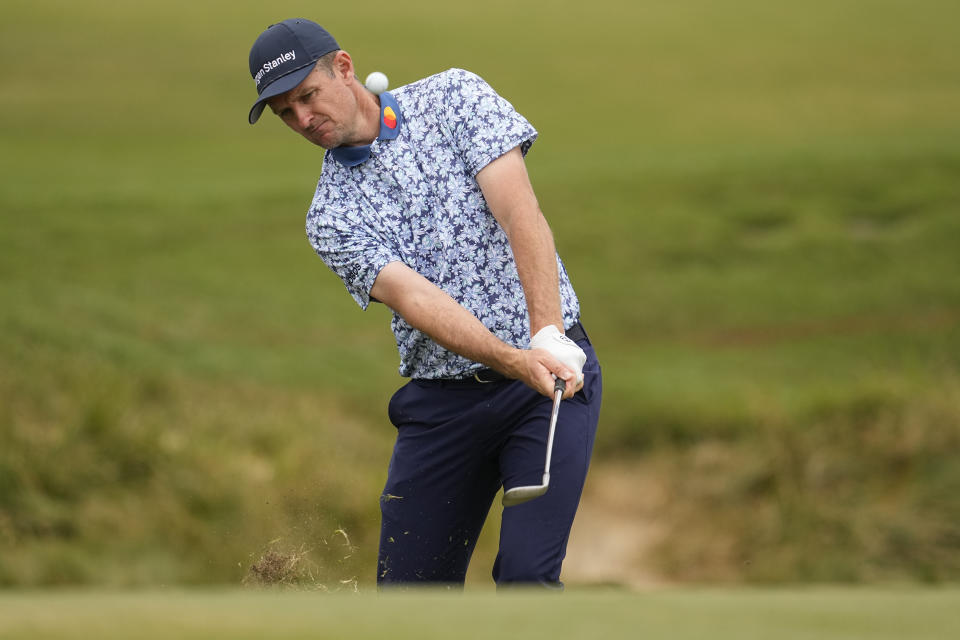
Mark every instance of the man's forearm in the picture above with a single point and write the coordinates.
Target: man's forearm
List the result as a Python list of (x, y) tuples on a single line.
[(429, 309), (509, 195), (536, 258)]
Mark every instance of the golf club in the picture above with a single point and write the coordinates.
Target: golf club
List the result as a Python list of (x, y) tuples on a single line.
[(519, 495)]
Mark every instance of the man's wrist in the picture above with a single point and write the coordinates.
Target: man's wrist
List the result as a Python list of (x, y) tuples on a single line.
[(510, 362), (537, 328)]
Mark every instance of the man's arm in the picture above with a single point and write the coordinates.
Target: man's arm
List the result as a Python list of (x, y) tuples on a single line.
[(509, 195), (428, 308), (506, 188)]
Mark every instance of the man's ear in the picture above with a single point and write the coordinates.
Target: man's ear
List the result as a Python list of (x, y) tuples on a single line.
[(343, 65)]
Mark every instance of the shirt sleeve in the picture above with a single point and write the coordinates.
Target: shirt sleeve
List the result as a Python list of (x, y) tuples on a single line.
[(351, 247), (482, 124)]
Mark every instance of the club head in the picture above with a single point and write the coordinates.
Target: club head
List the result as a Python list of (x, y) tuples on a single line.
[(519, 495)]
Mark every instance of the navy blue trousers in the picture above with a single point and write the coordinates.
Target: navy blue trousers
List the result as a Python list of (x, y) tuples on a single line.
[(457, 445)]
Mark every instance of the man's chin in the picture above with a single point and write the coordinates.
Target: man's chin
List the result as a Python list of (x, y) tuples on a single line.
[(323, 144)]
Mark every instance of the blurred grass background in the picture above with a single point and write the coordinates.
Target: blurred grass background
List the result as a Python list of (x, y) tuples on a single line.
[(758, 204)]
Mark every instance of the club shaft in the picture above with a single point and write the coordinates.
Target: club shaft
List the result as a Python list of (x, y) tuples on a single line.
[(557, 396)]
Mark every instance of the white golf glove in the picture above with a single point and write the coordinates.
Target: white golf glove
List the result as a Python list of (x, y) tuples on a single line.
[(560, 347)]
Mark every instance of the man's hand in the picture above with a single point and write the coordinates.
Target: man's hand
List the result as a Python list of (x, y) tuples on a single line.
[(566, 352), (538, 369)]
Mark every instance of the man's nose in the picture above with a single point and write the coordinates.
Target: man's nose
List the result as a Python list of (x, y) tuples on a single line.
[(304, 117)]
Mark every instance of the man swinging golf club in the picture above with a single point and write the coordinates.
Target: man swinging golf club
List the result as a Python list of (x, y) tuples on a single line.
[(424, 205)]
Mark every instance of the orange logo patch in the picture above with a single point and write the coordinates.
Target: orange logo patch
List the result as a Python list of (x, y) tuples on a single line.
[(390, 118)]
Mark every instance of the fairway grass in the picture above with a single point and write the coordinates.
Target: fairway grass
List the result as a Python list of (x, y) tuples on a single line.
[(822, 613)]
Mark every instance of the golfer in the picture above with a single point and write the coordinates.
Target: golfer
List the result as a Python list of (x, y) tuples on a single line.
[(424, 205)]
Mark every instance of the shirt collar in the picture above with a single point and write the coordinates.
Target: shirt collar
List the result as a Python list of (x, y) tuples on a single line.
[(390, 121)]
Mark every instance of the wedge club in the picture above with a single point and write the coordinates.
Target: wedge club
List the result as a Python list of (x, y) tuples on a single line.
[(519, 495)]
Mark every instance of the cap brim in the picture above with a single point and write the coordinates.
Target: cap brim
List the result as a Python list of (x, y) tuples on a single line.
[(278, 86)]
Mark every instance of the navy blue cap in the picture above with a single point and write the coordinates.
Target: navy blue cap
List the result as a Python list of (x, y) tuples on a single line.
[(283, 56)]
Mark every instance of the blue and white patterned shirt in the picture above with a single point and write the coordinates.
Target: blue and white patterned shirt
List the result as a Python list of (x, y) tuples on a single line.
[(411, 197)]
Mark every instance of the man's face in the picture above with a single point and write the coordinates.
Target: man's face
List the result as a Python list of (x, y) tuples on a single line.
[(323, 108)]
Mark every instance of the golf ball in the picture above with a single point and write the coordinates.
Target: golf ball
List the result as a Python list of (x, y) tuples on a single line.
[(376, 82)]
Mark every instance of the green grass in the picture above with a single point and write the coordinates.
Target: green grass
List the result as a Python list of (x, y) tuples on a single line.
[(758, 205), (788, 614)]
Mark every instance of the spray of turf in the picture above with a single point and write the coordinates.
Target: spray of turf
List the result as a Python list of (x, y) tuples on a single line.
[(282, 566)]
